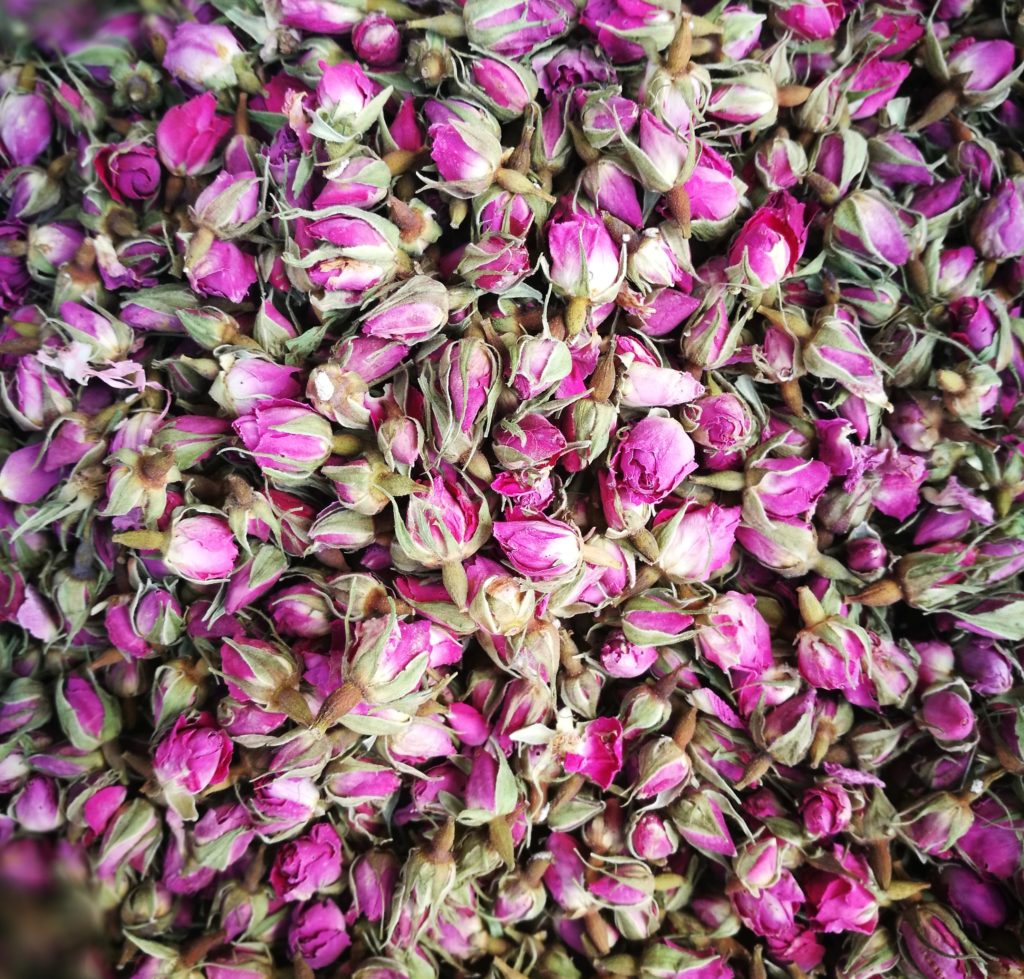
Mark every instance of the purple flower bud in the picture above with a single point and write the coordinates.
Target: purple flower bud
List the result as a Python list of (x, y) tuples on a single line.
[(946, 714), (866, 554), (992, 843), (842, 902), (467, 156), (377, 40), (289, 441), (978, 902), (932, 946), (129, 171), (37, 805), (318, 933), (651, 459), (188, 134), (23, 479), (896, 161), (203, 55), (997, 231), (26, 127), (873, 84)]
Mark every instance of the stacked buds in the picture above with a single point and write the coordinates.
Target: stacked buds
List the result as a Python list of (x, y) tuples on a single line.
[(520, 488)]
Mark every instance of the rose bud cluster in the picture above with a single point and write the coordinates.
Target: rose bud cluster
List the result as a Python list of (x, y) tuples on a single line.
[(513, 488)]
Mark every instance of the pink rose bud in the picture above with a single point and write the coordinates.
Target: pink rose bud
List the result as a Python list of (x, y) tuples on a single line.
[(597, 752), (896, 161), (878, 80), (748, 98), (997, 230), (624, 659), (414, 312), (228, 204), (193, 756), (467, 155), (88, 715), (373, 877), (653, 838), (984, 69), (826, 810), (787, 487), (613, 190), (992, 841), (781, 163), (946, 714), (837, 350), (307, 865), (222, 269), (514, 28), (584, 259), (26, 127), (842, 902), (695, 541), (318, 933), (530, 442), (661, 767), (129, 171), (319, 16), (537, 365), (733, 634), (377, 40), (866, 227), (24, 706), (288, 440), (203, 55), (23, 478), (503, 86), (866, 555), (650, 459), (246, 381), (541, 549), (700, 820), (986, 667), (810, 20), (188, 134), (302, 610), (37, 806), (201, 548), (771, 242), (645, 383)]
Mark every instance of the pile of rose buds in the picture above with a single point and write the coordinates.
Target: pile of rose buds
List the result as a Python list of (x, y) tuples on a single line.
[(515, 488)]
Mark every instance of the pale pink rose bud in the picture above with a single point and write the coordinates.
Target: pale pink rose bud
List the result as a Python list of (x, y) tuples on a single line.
[(714, 190), (865, 226), (748, 98), (613, 190), (644, 383), (597, 751), (771, 242), (537, 365), (623, 659), (734, 635), (283, 805), (514, 28), (37, 805), (193, 756), (377, 40), (306, 865), (504, 87), (654, 619), (201, 548), (302, 610), (529, 442), (662, 766), (584, 259), (203, 55), (187, 136), (318, 933), (26, 127), (355, 181), (652, 838), (542, 549), (695, 541), (985, 69), (872, 84), (467, 156), (700, 820), (710, 339), (837, 350), (288, 440), (223, 269), (244, 382), (780, 163), (723, 422)]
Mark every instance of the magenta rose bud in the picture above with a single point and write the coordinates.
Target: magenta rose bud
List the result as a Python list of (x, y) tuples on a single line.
[(771, 242), (306, 865), (584, 259), (514, 28), (542, 549), (842, 902), (865, 226), (377, 40), (624, 659), (203, 55), (193, 756), (597, 753), (826, 810), (734, 635), (373, 877), (810, 20), (318, 933), (653, 457), (997, 231), (26, 127), (187, 136), (288, 440), (129, 171), (978, 902)]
